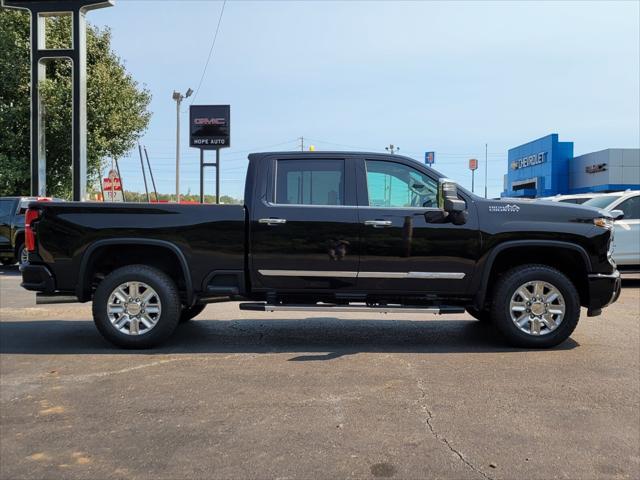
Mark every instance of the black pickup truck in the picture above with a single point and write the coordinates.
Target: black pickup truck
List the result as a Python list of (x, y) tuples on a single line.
[(328, 232)]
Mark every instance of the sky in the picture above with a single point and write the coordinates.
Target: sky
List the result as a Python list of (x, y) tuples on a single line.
[(425, 76)]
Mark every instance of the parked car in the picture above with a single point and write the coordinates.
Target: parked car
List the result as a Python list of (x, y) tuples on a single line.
[(626, 238), (578, 198), (327, 232), (12, 211)]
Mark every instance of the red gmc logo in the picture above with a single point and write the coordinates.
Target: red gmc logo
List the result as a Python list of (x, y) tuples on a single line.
[(210, 121)]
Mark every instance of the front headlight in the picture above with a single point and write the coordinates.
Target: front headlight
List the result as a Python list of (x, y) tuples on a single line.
[(604, 222)]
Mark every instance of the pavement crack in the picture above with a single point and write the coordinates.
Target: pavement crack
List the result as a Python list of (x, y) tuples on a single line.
[(428, 420)]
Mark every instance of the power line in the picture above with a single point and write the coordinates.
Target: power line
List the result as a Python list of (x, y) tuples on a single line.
[(213, 43)]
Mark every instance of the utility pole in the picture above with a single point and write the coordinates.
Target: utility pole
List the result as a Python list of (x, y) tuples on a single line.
[(178, 97), (486, 167), (301, 143), (144, 176), (392, 149)]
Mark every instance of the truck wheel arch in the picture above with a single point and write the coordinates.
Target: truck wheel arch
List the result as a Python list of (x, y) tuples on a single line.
[(83, 288), (489, 262)]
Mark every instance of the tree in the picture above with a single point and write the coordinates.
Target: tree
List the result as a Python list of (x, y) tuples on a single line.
[(117, 106)]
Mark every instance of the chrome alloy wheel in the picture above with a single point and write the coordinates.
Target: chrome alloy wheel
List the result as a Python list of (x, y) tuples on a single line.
[(537, 308), (134, 308)]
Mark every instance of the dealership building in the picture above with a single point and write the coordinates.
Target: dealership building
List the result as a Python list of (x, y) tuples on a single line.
[(547, 167)]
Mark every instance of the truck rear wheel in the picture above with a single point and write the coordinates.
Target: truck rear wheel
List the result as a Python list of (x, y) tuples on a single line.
[(535, 306), (136, 307)]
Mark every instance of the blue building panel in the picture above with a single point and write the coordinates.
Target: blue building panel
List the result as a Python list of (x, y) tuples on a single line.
[(539, 168)]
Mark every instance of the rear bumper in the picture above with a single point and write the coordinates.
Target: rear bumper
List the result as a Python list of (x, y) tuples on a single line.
[(37, 278), (604, 289)]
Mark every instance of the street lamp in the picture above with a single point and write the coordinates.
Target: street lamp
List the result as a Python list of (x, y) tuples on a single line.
[(178, 97), (392, 149)]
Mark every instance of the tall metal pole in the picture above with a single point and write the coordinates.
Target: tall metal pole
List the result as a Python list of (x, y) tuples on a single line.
[(124, 197), (201, 175), (473, 176), (217, 176), (178, 100), (144, 175), (486, 167), (153, 182)]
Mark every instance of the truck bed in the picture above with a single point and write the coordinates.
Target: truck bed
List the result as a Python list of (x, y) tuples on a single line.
[(207, 237)]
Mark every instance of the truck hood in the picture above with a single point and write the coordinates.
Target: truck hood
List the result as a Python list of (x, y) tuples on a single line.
[(532, 209)]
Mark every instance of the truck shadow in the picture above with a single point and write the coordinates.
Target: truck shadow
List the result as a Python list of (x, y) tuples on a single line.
[(314, 338)]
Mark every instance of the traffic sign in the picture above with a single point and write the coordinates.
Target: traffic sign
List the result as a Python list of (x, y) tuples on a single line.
[(429, 158), (112, 187)]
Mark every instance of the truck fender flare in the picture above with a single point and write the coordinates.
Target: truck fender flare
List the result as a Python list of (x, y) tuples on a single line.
[(481, 287), (86, 257)]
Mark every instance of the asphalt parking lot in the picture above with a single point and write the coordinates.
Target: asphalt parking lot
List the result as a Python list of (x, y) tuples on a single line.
[(251, 395)]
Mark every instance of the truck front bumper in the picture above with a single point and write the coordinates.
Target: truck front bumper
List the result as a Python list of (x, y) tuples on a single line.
[(604, 289), (37, 278)]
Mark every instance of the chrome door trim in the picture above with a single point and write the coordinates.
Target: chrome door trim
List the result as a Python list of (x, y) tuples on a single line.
[(308, 273), (351, 274), (423, 275)]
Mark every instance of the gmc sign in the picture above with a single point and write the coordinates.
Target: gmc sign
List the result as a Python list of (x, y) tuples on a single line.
[(209, 126)]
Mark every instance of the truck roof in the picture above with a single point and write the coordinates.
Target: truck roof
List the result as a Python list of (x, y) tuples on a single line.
[(325, 154)]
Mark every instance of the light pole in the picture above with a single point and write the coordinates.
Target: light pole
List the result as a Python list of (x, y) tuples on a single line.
[(486, 167), (392, 149), (178, 97)]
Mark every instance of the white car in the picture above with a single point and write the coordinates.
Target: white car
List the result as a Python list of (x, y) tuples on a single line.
[(626, 238), (577, 198)]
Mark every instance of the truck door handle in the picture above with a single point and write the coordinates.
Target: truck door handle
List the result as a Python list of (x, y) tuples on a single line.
[(273, 221), (378, 223)]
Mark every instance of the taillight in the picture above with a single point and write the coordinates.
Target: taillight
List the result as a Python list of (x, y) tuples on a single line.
[(29, 236)]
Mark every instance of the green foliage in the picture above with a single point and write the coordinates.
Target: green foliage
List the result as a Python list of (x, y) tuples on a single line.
[(169, 197), (117, 107)]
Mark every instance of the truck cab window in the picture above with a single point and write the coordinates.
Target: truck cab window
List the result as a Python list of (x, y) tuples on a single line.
[(310, 182), (396, 185)]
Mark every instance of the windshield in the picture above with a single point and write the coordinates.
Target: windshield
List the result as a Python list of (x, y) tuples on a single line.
[(601, 202)]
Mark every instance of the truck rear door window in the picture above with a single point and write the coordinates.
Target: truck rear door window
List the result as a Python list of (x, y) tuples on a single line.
[(310, 182)]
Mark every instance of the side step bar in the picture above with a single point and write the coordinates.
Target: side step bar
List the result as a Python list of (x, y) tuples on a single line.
[(48, 298), (267, 307)]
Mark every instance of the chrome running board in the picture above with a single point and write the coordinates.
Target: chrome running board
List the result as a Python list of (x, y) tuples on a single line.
[(326, 308)]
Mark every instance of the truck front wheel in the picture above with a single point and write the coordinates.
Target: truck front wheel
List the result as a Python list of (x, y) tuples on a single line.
[(535, 306), (136, 307)]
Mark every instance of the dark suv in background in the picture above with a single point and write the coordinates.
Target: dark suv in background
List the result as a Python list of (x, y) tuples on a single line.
[(12, 210)]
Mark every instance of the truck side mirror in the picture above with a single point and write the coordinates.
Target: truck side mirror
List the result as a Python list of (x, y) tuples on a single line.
[(455, 208)]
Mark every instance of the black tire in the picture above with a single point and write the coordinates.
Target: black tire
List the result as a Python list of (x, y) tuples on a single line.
[(167, 294), (483, 316), (191, 312), (19, 253), (506, 287)]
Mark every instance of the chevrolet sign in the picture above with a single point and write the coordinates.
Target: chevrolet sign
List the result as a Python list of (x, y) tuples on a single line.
[(529, 161)]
